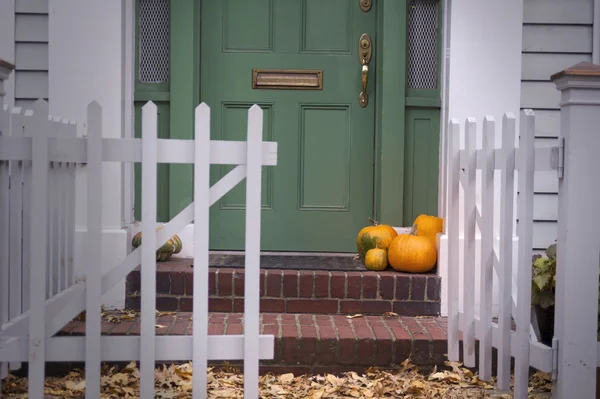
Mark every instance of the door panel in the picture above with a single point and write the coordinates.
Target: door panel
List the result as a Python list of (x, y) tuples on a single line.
[(321, 192)]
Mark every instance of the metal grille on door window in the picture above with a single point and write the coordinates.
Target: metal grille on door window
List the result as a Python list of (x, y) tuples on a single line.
[(423, 44), (154, 19)]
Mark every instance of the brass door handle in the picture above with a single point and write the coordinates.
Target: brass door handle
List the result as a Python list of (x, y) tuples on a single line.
[(365, 51), (363, 97)]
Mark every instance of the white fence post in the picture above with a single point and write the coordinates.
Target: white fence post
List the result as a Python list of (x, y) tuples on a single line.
[(5, 70), (578, 243)]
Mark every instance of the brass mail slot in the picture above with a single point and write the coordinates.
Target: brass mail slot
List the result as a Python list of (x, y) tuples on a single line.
[(292, 79)]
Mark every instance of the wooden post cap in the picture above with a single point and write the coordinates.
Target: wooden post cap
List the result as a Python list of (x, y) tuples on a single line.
[(582, 69), (6, 65)]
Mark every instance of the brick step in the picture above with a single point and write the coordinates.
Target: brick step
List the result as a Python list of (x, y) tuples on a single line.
[(295, 291), (312, 343)]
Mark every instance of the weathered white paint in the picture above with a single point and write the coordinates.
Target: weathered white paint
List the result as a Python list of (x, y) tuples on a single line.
[(514, 273), (43, 320), (75, 81), (7, 48), (485, 40), (578, 247)]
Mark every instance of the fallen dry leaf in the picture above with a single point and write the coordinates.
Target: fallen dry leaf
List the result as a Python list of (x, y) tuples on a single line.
[(175, 382), (354, 316)]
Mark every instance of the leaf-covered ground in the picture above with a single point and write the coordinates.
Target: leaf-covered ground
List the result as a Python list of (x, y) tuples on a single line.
[(175, 382)]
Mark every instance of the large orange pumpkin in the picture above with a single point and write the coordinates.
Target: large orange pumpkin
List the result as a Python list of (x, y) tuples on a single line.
[(412, 253), (429, 226), (375, 236)]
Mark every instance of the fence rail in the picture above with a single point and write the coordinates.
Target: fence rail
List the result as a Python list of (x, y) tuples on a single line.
[(29, 335), (19, 125)]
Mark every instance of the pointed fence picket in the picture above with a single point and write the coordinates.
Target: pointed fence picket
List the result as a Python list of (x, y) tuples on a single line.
[(51, 149), (495, 252)]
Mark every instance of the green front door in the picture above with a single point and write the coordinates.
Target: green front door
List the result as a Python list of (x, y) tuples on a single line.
[(321, 192)]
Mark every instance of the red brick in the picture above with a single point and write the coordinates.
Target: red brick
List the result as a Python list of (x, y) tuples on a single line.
[(290, 284), (238, 305), (369, 285), (305, 284), (189, 282), (269, 318), (306, 320), (417, 290), (225, 282), (121, 328), (133, 282), (263, 276), (383, 346), (220, 304), (354, 285), (106, 327), (135, 329), (410, 308), (271, 329), (308, 344), (178, 283), (365, 347), (402, 341), (212, 281), (433, 289), (289, 344), (216, 329), (366, 307), (133, 302), (345, 343), (274, 283), (180, 327), (338, 285), (272, 305), (186, 304), (166, 303), (402, 287), (312, 306), (238, 282), (321, 284), (436, 332), (234, 329), (289, 319), (327, 345), (387, 284), (163, 283)]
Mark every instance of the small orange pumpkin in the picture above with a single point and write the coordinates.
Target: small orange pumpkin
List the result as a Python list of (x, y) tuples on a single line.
[(376, 259), (429, 226), (374, 236), (412, 253)]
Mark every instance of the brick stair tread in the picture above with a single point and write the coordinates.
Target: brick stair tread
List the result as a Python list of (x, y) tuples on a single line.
[(311, 341), (296, 291)]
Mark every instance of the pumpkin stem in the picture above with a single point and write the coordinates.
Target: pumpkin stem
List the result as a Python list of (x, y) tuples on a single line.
[(413, 230), (375, 222)]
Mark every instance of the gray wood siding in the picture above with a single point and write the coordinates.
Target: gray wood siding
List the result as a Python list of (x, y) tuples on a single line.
[(31, 51), (556, 34)]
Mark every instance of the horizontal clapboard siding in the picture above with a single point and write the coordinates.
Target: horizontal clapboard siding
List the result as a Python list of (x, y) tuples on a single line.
[(557, 34), (31, 51)]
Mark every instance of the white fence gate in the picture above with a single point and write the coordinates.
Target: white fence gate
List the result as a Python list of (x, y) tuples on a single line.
[(49, 150), (575, 353), (496, 253)]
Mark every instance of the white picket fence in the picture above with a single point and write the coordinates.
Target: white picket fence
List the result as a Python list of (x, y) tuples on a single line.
[(16, 216), (496, 253), (29, 336)]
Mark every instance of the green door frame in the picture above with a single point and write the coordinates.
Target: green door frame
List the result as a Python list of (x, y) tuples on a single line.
[(392, 100)]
